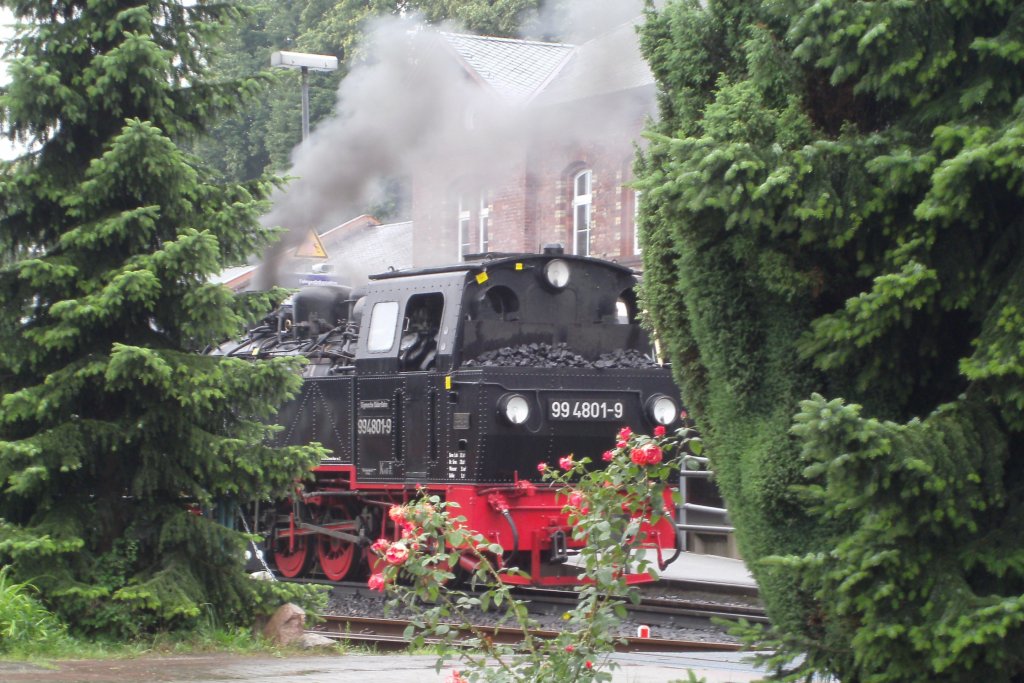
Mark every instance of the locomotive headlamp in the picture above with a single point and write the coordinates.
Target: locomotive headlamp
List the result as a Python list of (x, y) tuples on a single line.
[(514, 408), (556, 273), (662, 410)]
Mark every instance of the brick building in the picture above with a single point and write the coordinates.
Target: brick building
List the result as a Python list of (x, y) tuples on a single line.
[(560, 173)]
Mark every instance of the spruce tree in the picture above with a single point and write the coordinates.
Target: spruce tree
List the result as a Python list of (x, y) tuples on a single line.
[(832, 221), (114, 430)]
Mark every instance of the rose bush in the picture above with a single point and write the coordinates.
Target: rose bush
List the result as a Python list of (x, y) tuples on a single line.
[(610, 506)]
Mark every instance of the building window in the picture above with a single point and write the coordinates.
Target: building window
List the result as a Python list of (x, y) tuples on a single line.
[(485, 220), (636, 224), (581, 200), (465, 247)]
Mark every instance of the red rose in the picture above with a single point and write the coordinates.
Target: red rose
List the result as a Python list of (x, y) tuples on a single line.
[(652, 452), (570, 648), (589, 664), (397, 554), (397, 514), (608, 456), (566, 463), (659, 430), (377, 582), (648, 454), (625, 433), (455, 677)]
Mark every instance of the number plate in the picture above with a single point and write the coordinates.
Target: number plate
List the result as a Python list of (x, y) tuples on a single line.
[(585, 409)]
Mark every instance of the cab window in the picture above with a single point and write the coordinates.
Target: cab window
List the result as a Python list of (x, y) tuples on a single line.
[(383, 325)]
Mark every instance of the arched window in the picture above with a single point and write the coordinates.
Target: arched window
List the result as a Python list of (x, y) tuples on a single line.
[(474, 209), (581, 201)]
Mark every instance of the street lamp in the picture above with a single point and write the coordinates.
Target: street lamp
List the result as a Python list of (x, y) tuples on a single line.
[(305, 63)]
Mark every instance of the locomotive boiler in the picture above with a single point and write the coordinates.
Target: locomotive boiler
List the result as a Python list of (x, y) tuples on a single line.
[(458, 381)]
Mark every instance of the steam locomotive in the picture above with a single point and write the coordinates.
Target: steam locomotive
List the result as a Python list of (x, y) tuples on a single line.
[(458, 381)]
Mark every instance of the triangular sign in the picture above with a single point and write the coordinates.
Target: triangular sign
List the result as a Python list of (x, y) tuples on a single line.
[(311, 247)]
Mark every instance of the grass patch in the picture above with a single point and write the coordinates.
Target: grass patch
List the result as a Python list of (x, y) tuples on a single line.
[(24, 621)]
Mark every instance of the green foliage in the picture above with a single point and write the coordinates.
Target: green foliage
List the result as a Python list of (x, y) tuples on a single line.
[(111, 424), (833, 206), (23, 619)]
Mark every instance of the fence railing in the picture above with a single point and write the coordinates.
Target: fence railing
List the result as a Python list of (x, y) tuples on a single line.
[(685, 507)]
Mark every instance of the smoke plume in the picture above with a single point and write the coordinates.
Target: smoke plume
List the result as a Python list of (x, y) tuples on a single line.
[(411, 101)]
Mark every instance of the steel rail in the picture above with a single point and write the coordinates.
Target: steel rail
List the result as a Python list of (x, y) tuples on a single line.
[(389, 633)]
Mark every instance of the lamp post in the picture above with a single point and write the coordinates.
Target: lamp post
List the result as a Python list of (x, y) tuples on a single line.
[(305, 63)]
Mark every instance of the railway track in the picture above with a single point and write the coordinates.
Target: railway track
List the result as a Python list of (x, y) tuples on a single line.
[(389, 634), (679, 624)]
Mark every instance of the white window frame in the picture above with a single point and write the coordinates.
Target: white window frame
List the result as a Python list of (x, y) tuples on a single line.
[(464, 244), (484, 221), (584, 201)]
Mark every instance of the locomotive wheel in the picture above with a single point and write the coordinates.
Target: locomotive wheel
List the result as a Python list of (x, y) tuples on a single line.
[(336, 556), (291, 558)]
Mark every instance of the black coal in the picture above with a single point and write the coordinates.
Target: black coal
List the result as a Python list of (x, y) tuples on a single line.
[(540, 355)]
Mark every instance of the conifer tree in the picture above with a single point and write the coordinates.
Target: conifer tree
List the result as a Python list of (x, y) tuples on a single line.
[(832, 222), (114, 430)]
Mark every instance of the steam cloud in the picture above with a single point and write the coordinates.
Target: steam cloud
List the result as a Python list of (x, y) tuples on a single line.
[(410, 103)]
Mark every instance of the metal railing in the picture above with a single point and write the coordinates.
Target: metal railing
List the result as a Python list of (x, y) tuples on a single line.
[(684, 508)]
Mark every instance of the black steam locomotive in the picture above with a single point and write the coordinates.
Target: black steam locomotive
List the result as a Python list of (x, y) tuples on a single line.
[(458, 380)]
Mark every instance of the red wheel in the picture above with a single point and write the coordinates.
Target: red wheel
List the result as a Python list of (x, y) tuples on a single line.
[(336, 556), (291, 555)]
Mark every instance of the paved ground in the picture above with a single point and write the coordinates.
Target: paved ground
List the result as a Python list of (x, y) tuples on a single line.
[(645, 668)]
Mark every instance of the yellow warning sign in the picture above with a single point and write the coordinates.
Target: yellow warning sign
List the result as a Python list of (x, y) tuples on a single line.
[(311, 247)]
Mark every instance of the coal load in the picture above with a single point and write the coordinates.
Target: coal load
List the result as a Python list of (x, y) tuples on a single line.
[(540, 355), (625, 358)]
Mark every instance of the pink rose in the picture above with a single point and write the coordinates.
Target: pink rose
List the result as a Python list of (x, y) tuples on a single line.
[(625, 433), (683, 414), (576, 499), (397, 514), (377, 582), (566, 463), (380, 546), (455, 677), (397, 554), (659, 430), (608, 456), (621, 444), (570, 648), (542, 467)]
